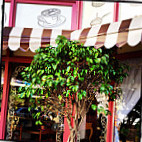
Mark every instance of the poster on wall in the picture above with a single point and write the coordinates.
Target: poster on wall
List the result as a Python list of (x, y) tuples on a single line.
[(43, 16)]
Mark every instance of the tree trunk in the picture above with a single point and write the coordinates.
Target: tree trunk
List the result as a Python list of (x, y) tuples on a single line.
[(72, 136)]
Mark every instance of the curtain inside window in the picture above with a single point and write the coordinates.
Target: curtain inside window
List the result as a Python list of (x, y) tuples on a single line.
[(131, 93)]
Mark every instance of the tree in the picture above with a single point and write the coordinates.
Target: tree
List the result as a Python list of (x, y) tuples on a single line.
[(70, 76)]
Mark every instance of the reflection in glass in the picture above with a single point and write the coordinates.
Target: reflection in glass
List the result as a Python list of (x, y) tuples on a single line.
[(95, 126), (1, 89), (20, 123), (128, 107), (129, 129)]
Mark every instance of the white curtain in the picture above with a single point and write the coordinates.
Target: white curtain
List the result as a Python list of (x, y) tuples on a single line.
[(131, 92), (131, 88)]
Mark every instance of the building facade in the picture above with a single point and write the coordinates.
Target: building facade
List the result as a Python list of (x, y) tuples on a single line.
[(68, 15)]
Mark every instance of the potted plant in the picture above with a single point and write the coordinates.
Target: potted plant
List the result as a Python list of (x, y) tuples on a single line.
[(67, 78)]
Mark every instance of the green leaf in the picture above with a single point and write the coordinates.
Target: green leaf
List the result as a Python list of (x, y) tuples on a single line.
[(40, 123), (96, 55), (46, 95), (103, 60), (93, 106), (22, 95), (84, 93), (98, 60), (67, 93), (76, 87), (102, 88), (44, 77), (68, 68), (81, 78), (26, 69), (33, 80), (29, 108), (41, 91), (54, 66), (37, 122), (80, 97), (50, 76), (28, 94), (42, 83), (20, 88), (60, 97)]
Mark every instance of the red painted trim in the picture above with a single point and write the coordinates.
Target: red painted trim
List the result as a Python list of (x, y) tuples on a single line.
[(12, 13), (110, 121), (66, 129), (74, 17), (125, 56), (7, 0), (116, 12), (18, 59), (80, 13), (77, 11), (4, 100), (68, 3)]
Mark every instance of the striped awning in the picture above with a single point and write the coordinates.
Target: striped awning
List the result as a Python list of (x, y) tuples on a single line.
[(118, 33)]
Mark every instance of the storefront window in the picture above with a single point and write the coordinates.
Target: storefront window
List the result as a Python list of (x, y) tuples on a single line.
[(20, 123), (128, 107), (129, 129), (43, 16), (94, 126), (96, 13), (135, 9)]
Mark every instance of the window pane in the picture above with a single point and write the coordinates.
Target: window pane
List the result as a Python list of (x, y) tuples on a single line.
[(6, 14), (95, 13), (93, 128), (43, 16), (129, 10), (129, 129), (128, 107), (20, 123)]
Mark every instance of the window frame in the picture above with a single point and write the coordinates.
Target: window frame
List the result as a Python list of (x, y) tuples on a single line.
[(76, 17)]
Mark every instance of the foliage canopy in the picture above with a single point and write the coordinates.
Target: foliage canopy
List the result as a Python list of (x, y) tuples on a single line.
[(73, 74)]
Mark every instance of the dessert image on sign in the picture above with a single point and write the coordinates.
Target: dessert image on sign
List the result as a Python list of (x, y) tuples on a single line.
[(98, 20), (51, 18)]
